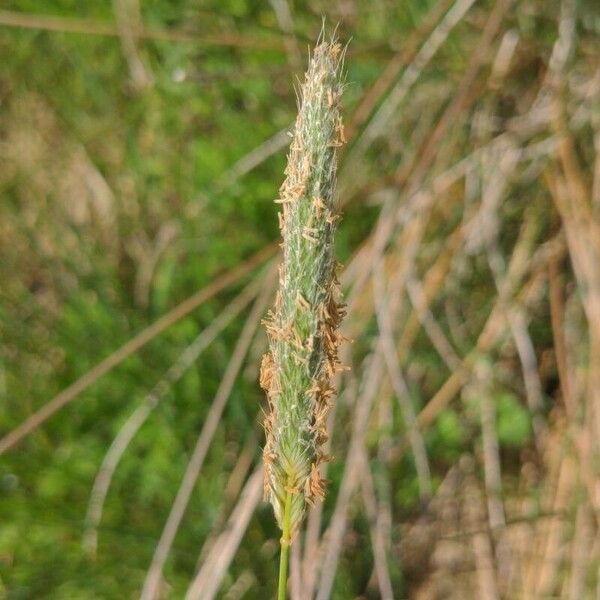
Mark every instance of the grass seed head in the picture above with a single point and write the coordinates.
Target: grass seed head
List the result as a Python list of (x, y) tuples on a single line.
[(297, 371)]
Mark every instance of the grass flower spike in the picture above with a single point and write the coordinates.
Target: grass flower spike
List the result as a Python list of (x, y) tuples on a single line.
[(298, 370)]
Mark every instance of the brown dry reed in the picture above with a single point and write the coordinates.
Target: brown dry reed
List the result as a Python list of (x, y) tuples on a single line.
[(298, 370)]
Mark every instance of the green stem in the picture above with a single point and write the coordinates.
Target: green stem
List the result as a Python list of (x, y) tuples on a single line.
[(285, 546)]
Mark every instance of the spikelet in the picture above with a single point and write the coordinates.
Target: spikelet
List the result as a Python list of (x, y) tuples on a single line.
[(297, 372)]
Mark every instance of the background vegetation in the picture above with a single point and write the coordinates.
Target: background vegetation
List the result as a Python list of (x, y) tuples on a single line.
[(142, 145)]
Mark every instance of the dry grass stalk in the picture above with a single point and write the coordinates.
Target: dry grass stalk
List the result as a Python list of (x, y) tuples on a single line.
[(139, 416), (70, 393), (482, 544), (207, 582), (192, 472)]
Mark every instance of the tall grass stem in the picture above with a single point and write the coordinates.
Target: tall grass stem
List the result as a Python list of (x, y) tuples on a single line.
[(285, 547)]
